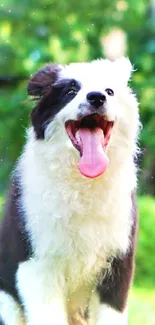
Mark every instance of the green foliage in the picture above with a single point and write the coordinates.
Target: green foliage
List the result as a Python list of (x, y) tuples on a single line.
[(14, 116), (142, 306), (1, 205), (145, 262), (58, 31)]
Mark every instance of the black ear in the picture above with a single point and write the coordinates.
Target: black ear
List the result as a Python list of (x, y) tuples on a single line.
[(43, 80)]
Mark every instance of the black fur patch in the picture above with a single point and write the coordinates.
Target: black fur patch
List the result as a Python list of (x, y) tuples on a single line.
[(43, 80), (52, 96), (113, 290), (14, 245)]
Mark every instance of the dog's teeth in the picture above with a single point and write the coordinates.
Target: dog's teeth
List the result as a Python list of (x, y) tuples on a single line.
[(78, 137)]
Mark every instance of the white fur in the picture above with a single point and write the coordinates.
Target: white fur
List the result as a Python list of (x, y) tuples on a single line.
[(44, 303), (98, 76), (76, 223), (101, 314), (109, 316), (10, 311)]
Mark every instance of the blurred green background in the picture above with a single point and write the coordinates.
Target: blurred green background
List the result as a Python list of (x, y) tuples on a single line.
[(33, 33)]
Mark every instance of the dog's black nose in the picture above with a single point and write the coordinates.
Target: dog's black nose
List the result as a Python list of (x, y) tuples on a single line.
[(96, 98)]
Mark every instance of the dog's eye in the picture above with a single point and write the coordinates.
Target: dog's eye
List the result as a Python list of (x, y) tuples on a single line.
[(71, 92), (71, 89), (110, 92)]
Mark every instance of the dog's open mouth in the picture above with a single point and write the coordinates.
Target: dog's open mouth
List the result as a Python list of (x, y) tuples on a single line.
[(90, 136)]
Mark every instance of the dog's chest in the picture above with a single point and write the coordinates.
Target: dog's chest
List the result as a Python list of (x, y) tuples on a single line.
[(76, 247), (77, 252), (87, 257), (76, 228)]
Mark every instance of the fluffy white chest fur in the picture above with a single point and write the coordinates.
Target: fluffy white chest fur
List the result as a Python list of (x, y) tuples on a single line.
[(75, 223)]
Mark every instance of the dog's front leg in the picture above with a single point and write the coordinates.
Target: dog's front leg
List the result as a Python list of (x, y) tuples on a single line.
[(109, 304), (103, 314), (41, 294)]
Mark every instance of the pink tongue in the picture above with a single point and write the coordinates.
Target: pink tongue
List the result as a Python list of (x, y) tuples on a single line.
[(94, 160)]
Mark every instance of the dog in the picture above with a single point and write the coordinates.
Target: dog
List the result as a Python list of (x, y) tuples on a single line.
[(68, 236)]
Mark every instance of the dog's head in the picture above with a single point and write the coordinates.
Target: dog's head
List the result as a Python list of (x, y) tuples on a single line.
[(88, 108)]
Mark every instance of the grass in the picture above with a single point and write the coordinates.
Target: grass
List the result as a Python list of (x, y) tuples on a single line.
[(142, 306)]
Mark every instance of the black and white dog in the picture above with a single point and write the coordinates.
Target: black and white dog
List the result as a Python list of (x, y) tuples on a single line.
[(67, 239)]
